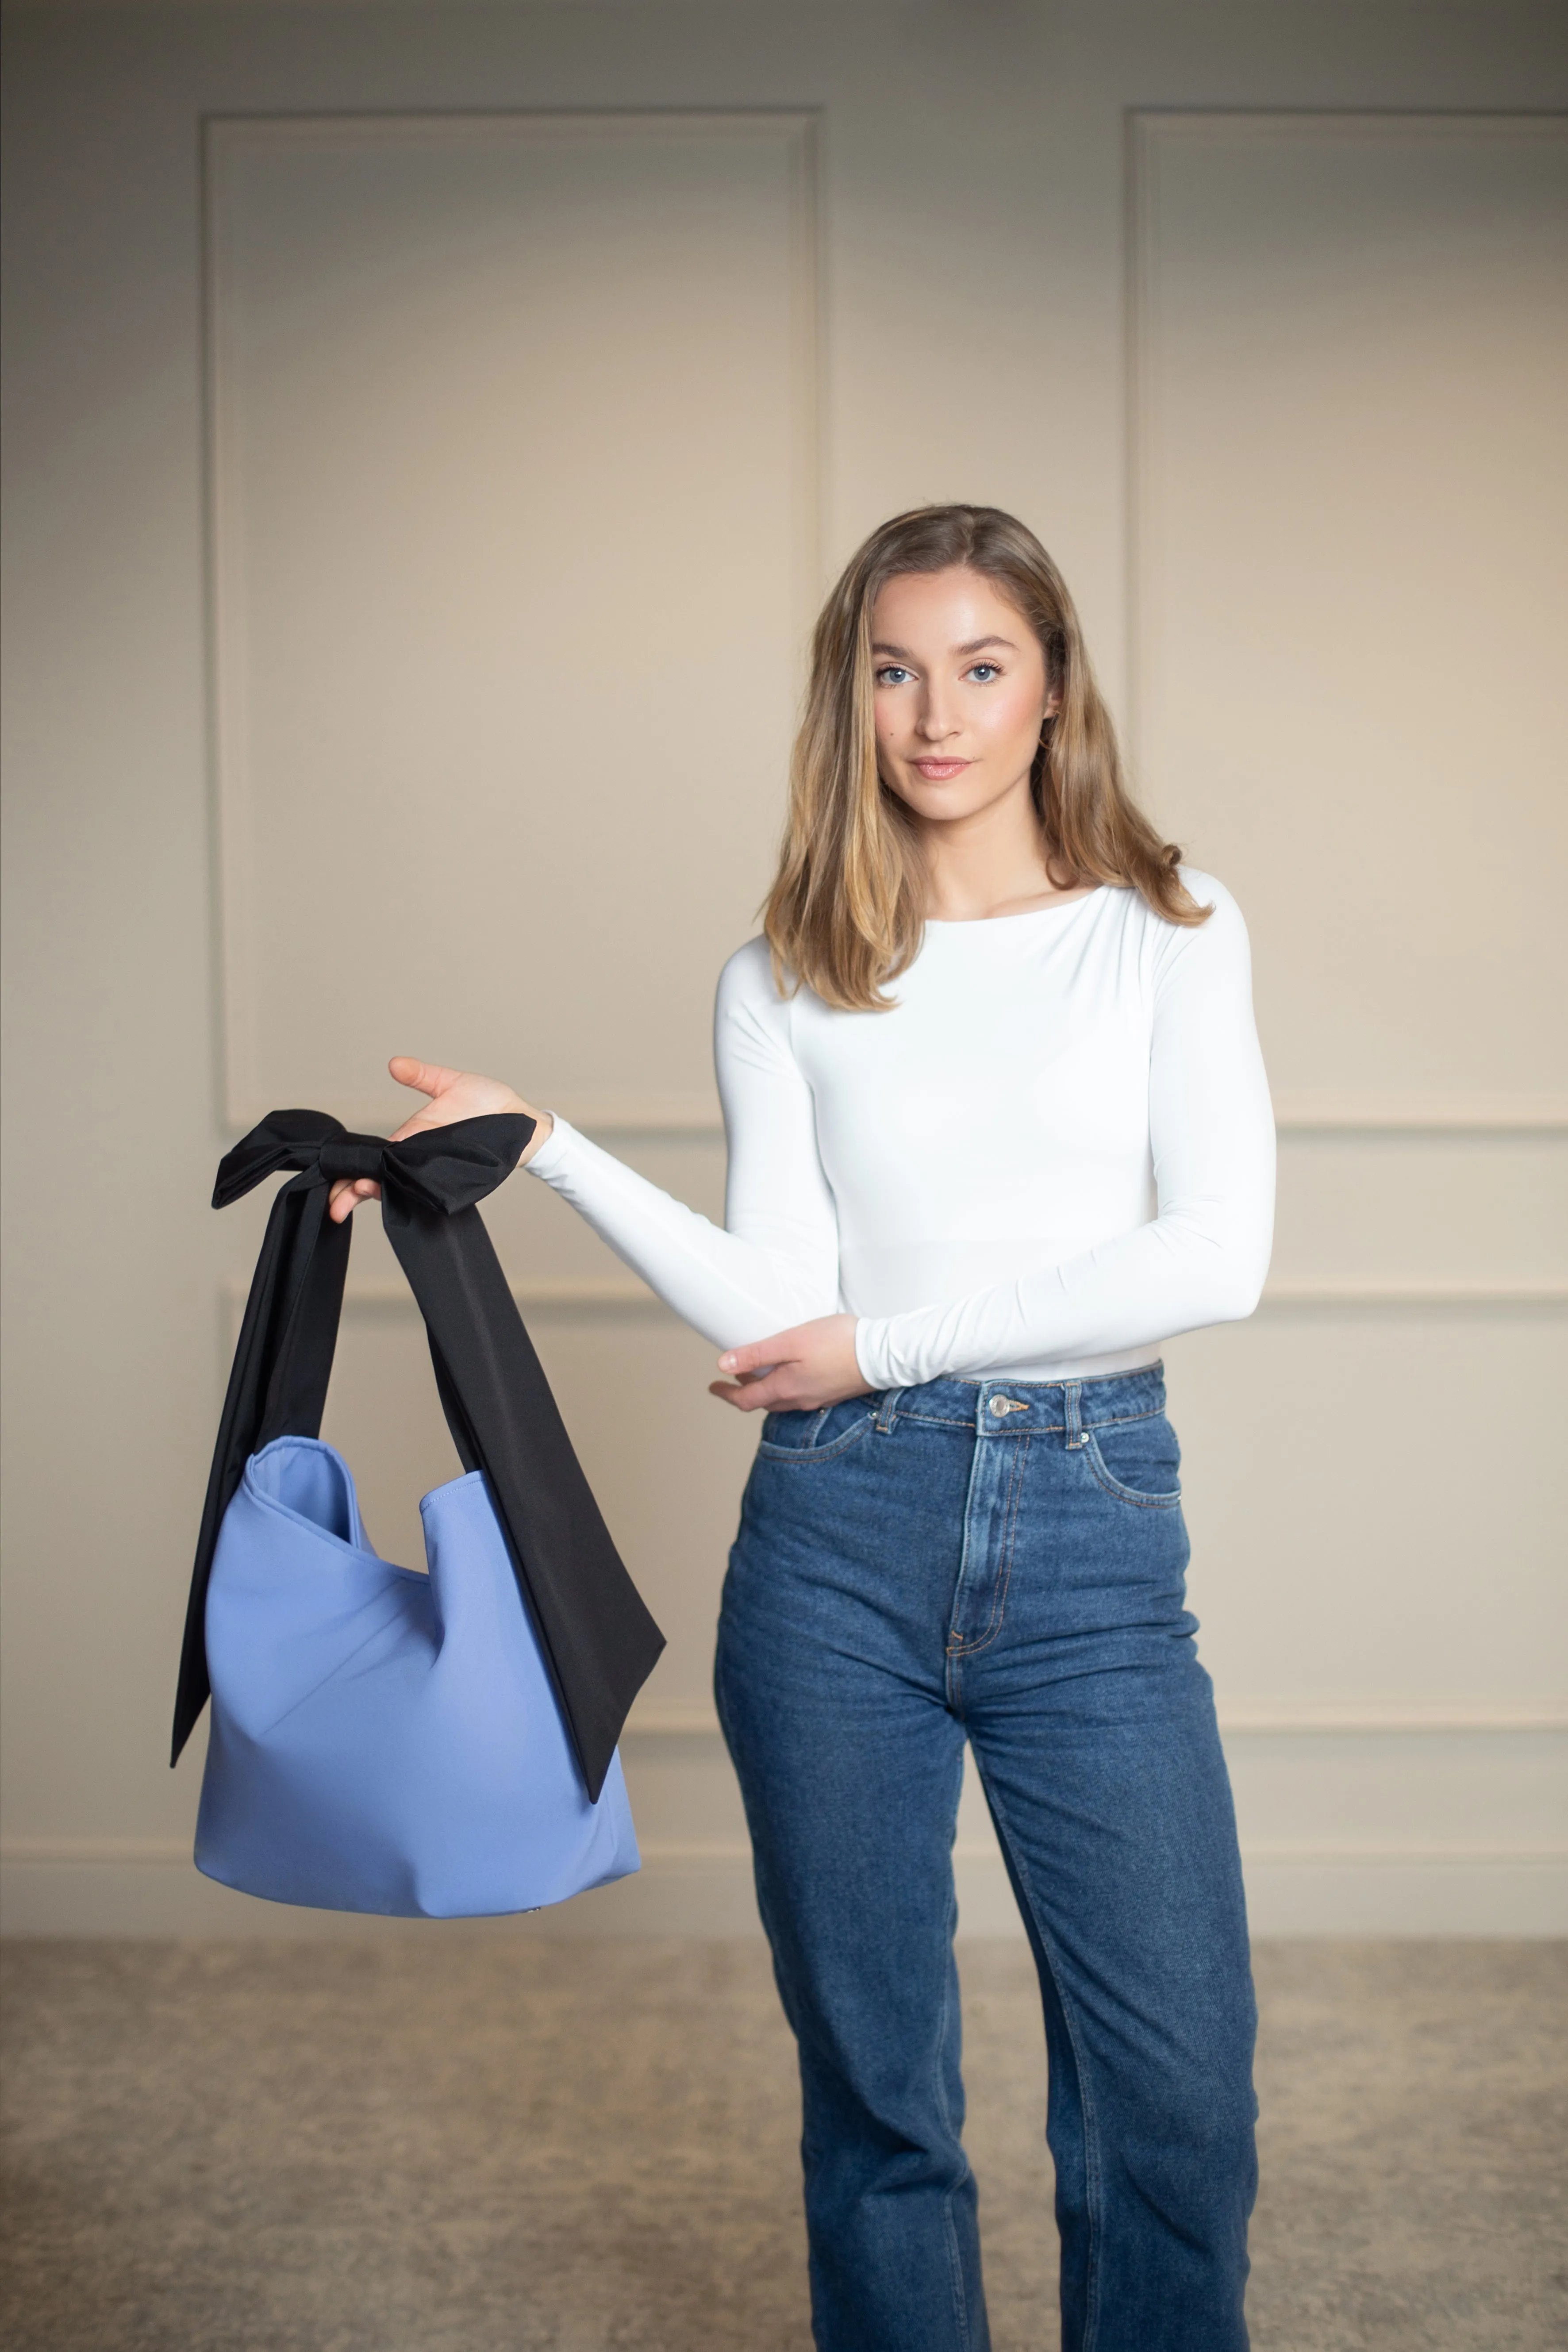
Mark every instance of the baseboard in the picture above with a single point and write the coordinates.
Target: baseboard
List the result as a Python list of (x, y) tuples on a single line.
[(1522, 1894), (1347, 1894), (698, 1891), (1382, 1895), (691, 1894)]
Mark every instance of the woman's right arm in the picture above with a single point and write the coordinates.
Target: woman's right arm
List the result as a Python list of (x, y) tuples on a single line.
[(774, 1261)]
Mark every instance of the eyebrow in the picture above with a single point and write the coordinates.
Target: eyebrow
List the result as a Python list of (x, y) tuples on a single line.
[(975, 646)]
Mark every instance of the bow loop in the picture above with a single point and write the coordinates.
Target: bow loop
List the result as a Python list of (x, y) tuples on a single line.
[(454, 1167), (438, 1168), (285, 1138)]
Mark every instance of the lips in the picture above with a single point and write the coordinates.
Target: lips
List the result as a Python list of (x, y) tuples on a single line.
[(937, 771)]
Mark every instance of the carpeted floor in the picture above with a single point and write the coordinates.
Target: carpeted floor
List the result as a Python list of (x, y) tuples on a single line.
[(451, 2143)]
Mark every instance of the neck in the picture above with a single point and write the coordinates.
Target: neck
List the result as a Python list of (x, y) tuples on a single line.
[(991, 861)]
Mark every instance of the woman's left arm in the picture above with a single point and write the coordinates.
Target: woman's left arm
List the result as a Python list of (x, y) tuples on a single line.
[(1201, 1260), (1203, 1257)]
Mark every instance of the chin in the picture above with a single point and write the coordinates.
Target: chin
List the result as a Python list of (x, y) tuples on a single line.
[(962, 797)]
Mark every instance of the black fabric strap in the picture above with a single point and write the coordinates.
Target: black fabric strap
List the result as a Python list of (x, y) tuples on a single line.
[(598, 1638)]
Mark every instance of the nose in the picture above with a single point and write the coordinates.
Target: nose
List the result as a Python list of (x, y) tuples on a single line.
[(935, 720)]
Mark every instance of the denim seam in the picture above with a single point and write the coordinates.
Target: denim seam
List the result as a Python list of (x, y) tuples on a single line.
[(937, 1419), (817, 1452), (1005, 1576), (1113, 1486), (1036, 1429), (951, 1655), (885, 1420), (1093, 2186), (955, 2258)]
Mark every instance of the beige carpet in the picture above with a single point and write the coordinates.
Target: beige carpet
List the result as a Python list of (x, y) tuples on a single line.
[(446, 2143)]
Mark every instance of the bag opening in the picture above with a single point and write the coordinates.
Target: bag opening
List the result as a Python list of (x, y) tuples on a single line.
[(306, 1477)]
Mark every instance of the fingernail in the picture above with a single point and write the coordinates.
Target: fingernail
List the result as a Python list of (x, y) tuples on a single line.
[(726, 1363)]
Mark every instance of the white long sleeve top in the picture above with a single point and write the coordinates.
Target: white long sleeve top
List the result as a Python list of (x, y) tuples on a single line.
[(1055, 1152)]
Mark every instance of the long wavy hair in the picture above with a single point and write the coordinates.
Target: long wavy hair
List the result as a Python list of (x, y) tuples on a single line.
[(846, 913)]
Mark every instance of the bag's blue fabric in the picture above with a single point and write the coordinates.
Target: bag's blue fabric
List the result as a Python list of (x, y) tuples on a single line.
[(440, 1744), (595, 1635), (383, 1740)]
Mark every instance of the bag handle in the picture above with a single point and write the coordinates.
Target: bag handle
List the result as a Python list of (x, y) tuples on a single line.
[(597, 1637)]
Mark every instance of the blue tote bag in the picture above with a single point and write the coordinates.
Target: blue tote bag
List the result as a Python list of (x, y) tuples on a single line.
[(435, 1745)]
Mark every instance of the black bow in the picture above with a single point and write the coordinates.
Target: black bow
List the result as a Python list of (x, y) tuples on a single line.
[(599, 1639), (443, 1168)]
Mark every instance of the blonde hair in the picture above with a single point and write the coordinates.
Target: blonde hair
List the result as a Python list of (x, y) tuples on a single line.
[(846, 913)]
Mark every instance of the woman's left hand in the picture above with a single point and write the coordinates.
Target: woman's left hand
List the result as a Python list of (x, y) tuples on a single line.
[(796, 1370)]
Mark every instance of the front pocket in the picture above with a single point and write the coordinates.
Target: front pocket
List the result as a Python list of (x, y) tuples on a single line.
[(1136, 1461), (819, 1437)]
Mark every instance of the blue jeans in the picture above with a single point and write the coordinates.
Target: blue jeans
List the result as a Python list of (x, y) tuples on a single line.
[(1000, 1561)]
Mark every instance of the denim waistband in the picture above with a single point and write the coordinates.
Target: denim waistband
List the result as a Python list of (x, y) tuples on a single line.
[(1003, 1408)]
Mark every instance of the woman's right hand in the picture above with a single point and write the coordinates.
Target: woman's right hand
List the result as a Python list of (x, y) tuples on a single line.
[(454, 1095)]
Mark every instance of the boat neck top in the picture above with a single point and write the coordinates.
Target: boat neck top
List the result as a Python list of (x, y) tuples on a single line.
[(1055, 1151), (1051, 907)]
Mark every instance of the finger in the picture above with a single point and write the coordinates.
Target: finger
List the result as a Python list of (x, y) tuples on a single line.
[(343, 1200), (424, 1078), (776, 1393), (744, 1398), (757, 1356), (347, 1193)]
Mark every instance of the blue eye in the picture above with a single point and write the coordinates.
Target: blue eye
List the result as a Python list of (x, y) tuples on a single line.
[(992, 668), (891, 674)]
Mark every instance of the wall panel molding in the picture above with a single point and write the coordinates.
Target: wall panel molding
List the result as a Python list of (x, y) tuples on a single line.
[(662, 1720), (567, 1294), (1148, 129), (275, 296), (1418, 1291), (1338, 329), (160, 1853), (692, 1888), (1303, 1112), (691, 1112)]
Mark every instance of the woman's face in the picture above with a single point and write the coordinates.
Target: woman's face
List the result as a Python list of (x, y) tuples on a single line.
[(961, 693)]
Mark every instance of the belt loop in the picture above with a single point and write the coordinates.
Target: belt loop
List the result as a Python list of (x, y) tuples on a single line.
[(887, 1412), (1072, 1398)]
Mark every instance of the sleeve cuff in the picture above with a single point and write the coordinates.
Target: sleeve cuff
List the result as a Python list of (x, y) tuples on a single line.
[(870, 1352), (554, 1152)]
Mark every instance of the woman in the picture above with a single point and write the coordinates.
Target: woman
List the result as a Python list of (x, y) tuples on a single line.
[(998, 1126)]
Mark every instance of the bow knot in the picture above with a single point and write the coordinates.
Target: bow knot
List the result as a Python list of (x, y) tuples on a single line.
[(351, 1156), (440, 1168)]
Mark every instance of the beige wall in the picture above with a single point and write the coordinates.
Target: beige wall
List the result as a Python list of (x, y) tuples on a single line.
[(414, 514)]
